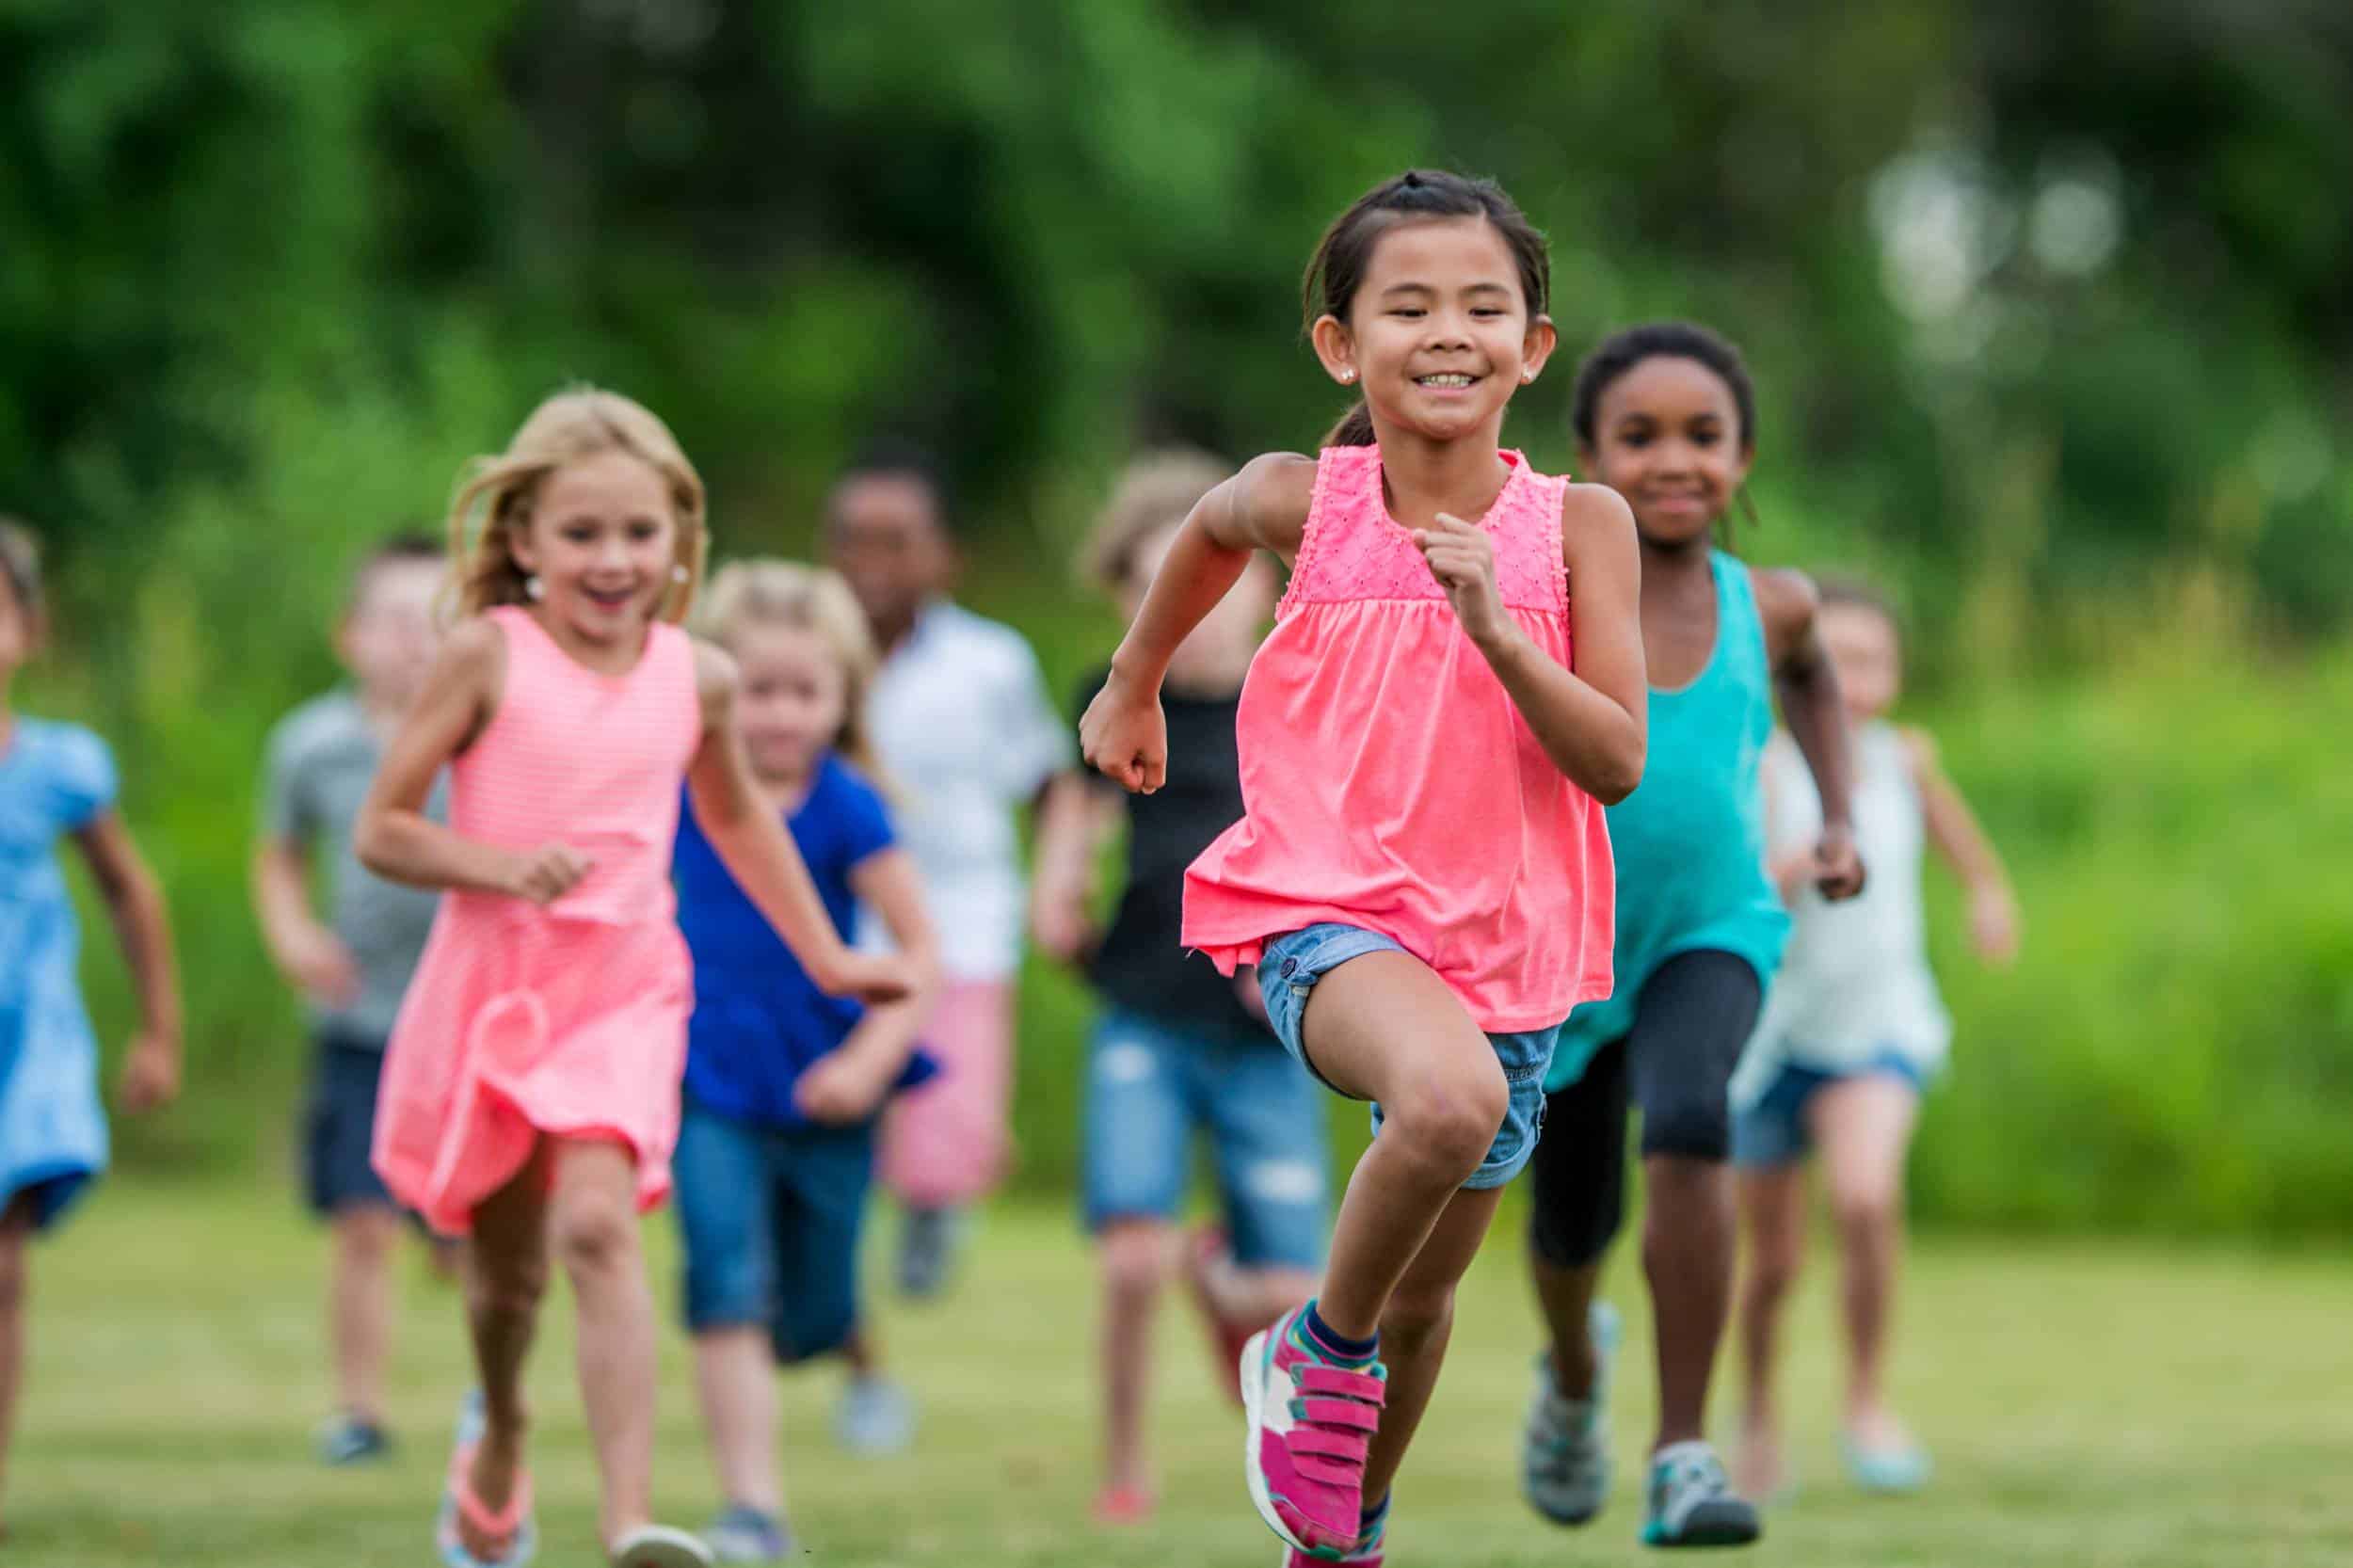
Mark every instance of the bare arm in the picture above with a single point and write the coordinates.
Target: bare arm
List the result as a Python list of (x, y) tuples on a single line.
[(1076, 818), (309, 957), (1807, 688), (134, 903), (760, 855), (394, 837), (1953, 828), (849, 1084), (1263, 507), (1592, 720)]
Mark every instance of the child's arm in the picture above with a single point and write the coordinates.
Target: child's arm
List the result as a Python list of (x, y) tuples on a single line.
[(151, 1071), (1953, 829), (1123, 732), (1593, 720), (394, 837), (760, 855), (849, 1084), (307, 954), (1807, 688), (1076, 819)]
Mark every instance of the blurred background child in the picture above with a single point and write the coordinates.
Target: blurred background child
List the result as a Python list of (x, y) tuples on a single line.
[(1180, 1049), (1853, 1034)]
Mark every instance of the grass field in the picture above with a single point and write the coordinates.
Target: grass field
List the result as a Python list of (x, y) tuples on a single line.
[(2088, 1407)]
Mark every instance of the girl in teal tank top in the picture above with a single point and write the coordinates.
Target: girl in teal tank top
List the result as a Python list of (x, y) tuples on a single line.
[(1665, 415)]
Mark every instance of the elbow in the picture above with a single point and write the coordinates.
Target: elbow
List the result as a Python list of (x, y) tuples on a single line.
[(1620, 774), (371, 843)]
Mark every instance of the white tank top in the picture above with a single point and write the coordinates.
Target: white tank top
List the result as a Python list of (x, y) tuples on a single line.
[(1854, 984)]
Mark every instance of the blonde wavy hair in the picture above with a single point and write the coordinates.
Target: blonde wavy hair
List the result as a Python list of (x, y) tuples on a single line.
[(496, 494), (1157, 490), (750, 593)]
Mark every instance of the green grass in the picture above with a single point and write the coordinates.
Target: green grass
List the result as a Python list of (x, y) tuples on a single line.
[(2089, 1407)]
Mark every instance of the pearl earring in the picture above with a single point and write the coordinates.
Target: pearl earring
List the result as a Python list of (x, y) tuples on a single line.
[(1347, 378), (1526, 376), (533, 586)]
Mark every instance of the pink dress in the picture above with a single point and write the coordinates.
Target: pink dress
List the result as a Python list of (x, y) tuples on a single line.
[(571, 1019), (1388, 782)]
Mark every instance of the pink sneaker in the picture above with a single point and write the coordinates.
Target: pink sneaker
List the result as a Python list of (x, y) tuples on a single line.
[(1309, 1426), (1123, 1504)]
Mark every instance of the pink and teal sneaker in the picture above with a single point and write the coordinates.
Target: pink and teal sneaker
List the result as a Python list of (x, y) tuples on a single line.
[(1310, 1419), (1368, 1551)]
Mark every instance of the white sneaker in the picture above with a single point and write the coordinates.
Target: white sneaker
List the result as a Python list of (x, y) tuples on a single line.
[(1564, 1461)]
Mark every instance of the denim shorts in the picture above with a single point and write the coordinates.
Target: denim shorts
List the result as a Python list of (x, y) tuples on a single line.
[(339, 1126), (1290, 968), (1152, 1081), (770, 1218), (1772, 1131)]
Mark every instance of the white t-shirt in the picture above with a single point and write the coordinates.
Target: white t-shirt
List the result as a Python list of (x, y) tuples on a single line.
[(1855, 982), (968, 734)]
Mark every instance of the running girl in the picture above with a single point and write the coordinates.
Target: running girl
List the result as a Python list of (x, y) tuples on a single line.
[(1664, 415), (531, 1087), (1853, 1033), (783, 1082), (58, 780), (1422, 876)]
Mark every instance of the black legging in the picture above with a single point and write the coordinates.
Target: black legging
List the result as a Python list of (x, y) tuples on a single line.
[(1694, 1014)]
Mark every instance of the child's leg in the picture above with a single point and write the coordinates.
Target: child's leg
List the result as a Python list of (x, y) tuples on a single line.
[(1578, 1180), (506, 1278), (359, 1305), (592, 1221), (1773, 1211), (1864, 1125), (1696, 1013), (1383, 1027), (1136, 1255), (1416, 1325), (16, 1233), (946, 1143), (1271, 1142), (725, 1202)]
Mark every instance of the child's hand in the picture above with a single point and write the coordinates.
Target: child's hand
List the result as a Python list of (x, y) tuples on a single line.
[(547, 873), (874, 978), (1837, 866), (151, 1074), (1993, 926), (1462, 559), (316, 959), (1124, 736), (839, 1090)]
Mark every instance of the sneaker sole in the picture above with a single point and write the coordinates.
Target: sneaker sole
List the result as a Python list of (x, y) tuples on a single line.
[(659, 1546), (1250, 1371), (1706, 1533)]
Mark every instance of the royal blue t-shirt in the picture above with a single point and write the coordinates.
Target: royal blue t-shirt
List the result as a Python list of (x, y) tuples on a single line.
[(759, 1022)]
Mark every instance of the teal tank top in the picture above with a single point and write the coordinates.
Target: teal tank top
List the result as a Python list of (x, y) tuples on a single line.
[(1689, 842)]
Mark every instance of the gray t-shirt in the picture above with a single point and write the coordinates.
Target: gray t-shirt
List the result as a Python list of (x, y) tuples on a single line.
[(322, 759)]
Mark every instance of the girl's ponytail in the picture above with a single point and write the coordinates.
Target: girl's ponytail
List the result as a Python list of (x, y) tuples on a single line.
[(1354, 428)]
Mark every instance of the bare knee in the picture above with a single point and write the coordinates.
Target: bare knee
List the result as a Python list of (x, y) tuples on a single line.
[(1449, 1118), (1135, 1260), (1866, 1213), (508, 1284), (367, 1236), (1772, 1272), (595, 1235)]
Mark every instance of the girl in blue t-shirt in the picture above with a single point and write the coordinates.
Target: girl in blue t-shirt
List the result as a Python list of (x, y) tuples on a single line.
[(783, 1084), (58, 781)]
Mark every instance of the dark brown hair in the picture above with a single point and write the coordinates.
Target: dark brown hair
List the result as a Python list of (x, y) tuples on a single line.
[(1343, 256)]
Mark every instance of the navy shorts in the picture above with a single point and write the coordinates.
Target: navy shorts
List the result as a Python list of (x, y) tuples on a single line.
[(770, 1217), (339, 1125), (1295, 961)]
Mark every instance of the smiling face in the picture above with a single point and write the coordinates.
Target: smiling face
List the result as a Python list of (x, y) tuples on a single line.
[(602, 539), (1668, 438), (791, 699), (1439, 331)]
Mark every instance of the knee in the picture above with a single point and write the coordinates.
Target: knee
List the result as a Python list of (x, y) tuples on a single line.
[(595, 1237), (1417, 1314), (366, 1236), (814, 1327), (1451, 1117), (1772, 1272), (1865, 1212), (1691, 1126), (1134, 1260), (511, 1284)]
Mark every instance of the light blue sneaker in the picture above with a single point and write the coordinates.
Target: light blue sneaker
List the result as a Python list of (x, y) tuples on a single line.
[(1564, 1454), (1691, 1503), (747, 1534), (875, 1417), (1891, 1472)]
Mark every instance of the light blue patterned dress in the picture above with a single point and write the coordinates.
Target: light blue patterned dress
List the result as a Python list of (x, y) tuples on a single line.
[(55, 779)]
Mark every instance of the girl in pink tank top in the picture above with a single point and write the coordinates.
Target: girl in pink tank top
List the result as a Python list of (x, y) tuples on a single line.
[(531, 1089), (1453, 689)]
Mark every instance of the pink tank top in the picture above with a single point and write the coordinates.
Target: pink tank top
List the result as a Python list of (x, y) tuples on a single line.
[(1388, 782), (590, 760)]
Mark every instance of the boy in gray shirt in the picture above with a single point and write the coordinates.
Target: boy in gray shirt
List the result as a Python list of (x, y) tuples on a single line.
[(353, 966)]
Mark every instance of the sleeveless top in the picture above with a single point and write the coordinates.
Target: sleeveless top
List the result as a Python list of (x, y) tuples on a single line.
[(586, 760), (1856, 985), (1388, 782), (1690, 839)]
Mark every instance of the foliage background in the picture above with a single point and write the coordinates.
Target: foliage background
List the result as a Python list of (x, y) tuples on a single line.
[(2049, 307)]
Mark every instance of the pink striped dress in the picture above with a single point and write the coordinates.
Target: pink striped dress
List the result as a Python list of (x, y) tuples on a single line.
[(571, 1019), (1387, 781)]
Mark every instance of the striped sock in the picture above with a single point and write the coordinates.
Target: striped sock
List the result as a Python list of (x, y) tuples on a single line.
[(1334, 1346)]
